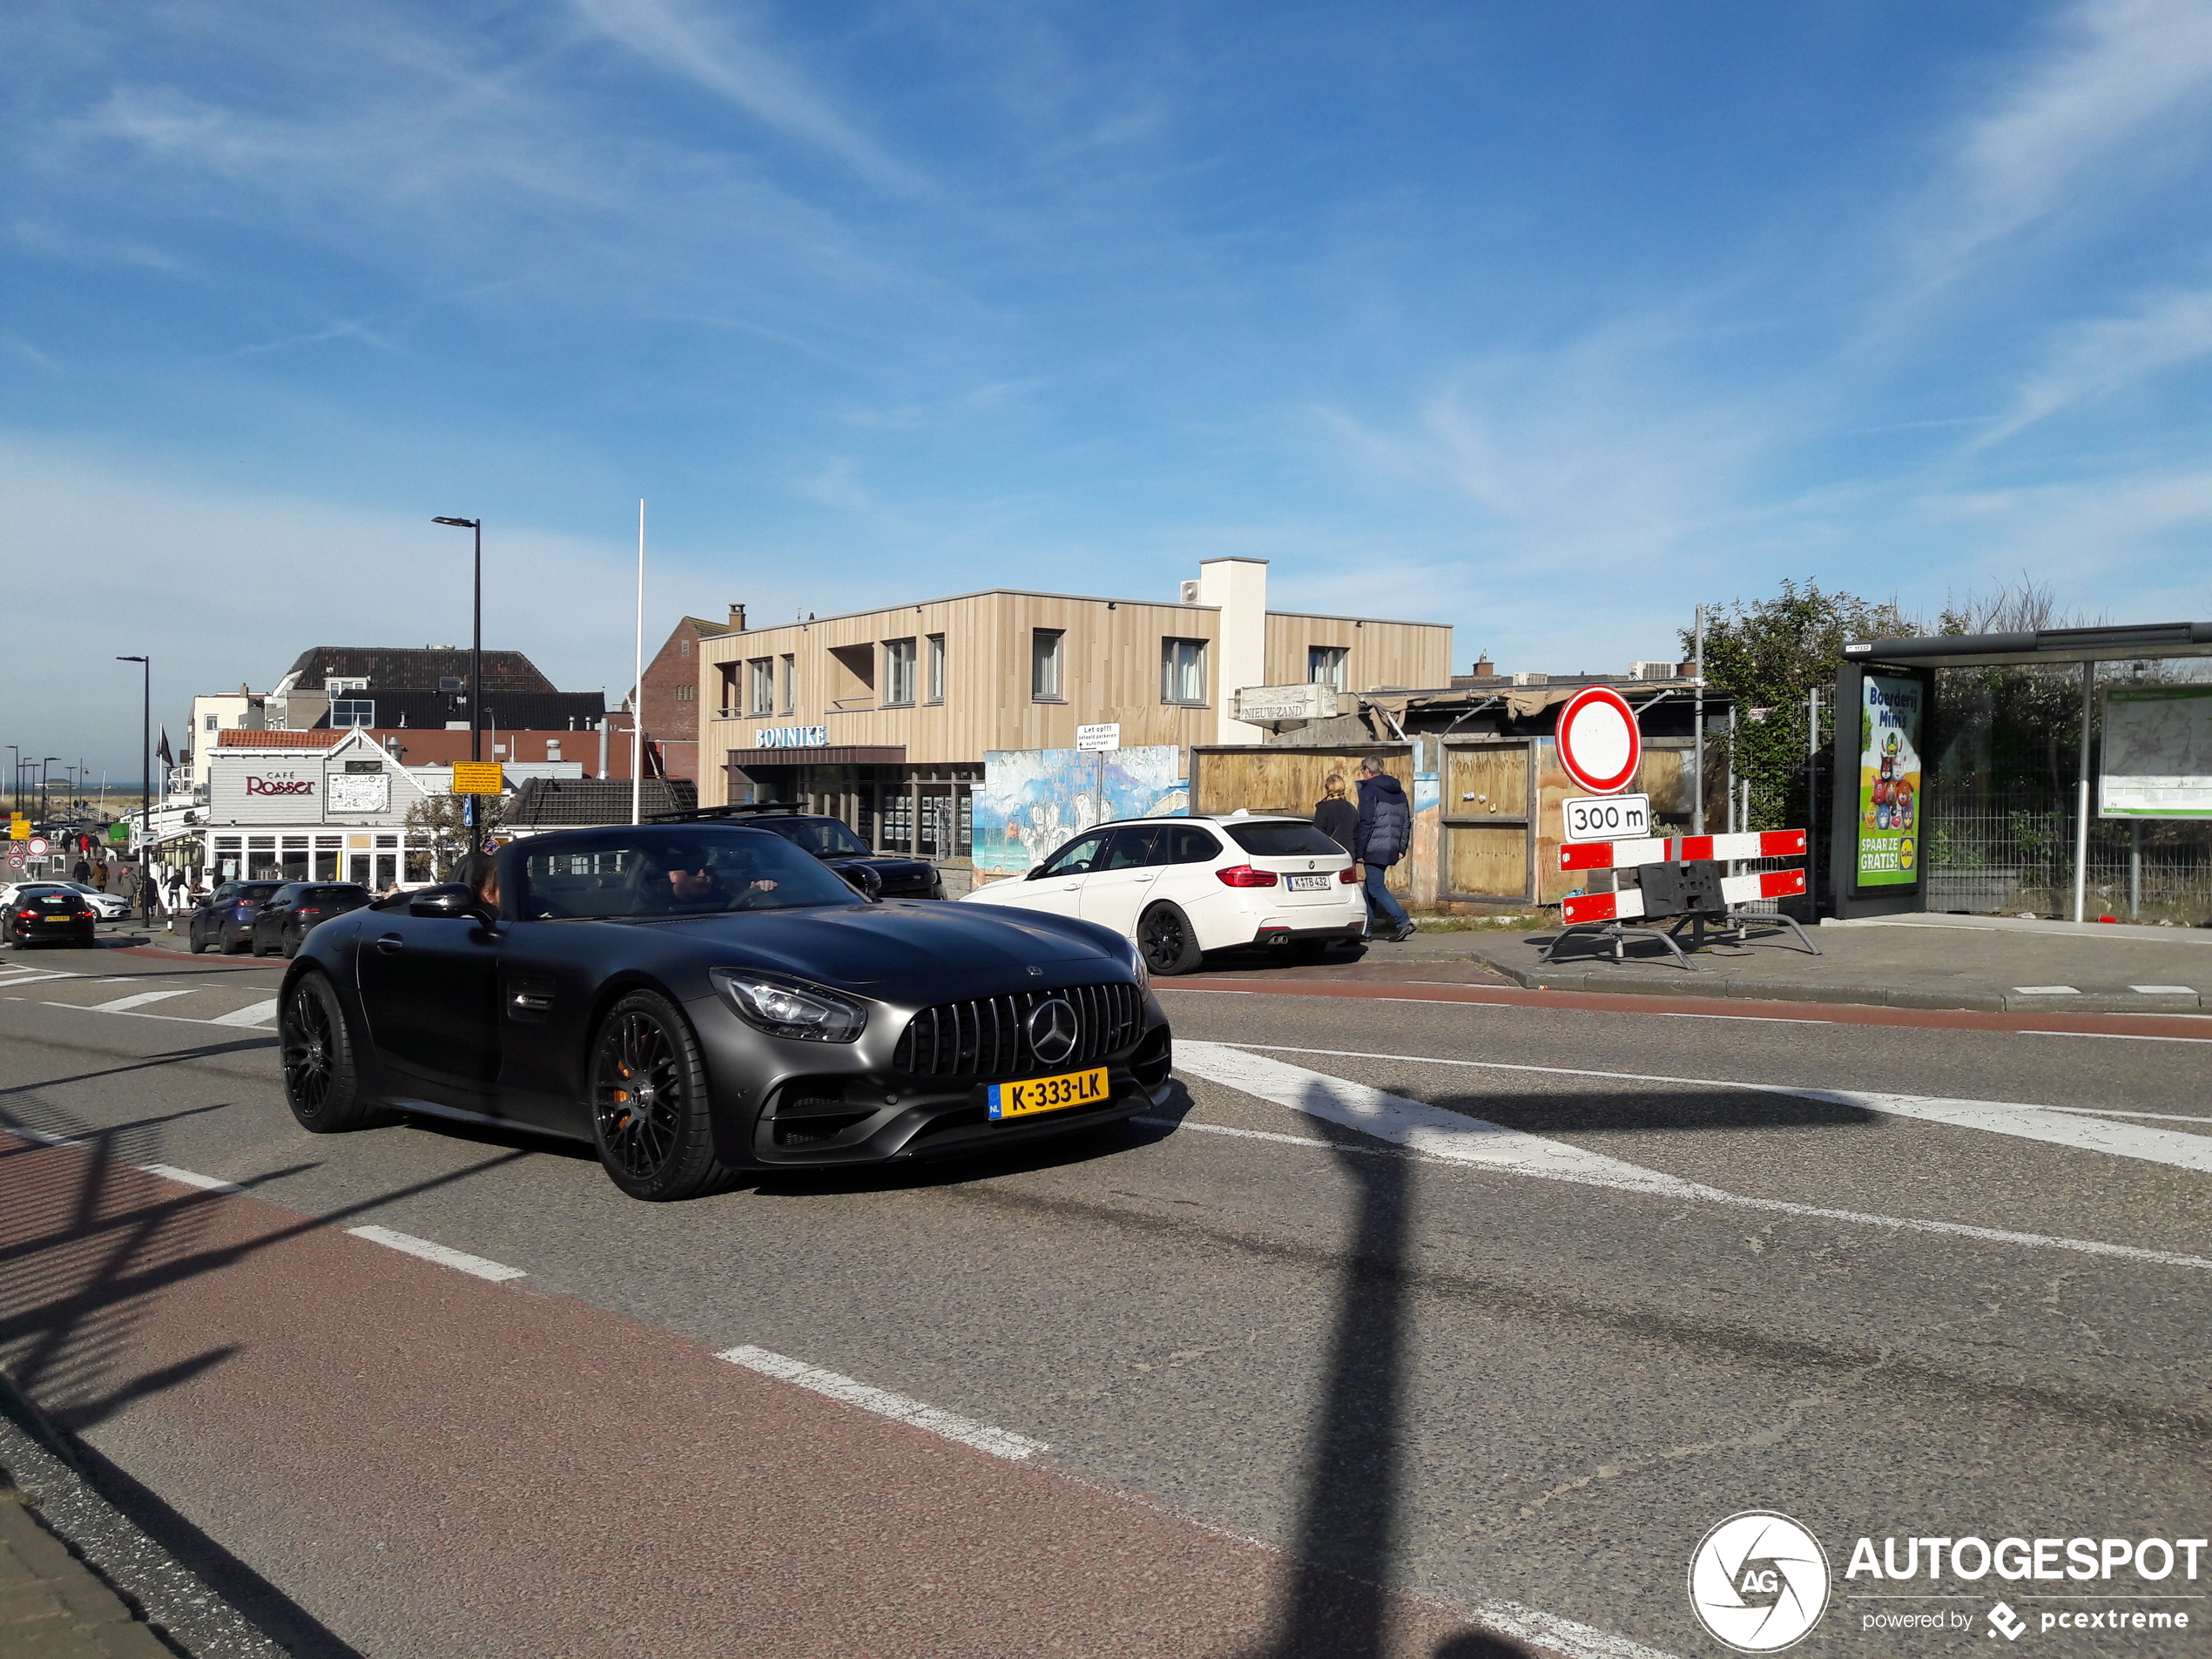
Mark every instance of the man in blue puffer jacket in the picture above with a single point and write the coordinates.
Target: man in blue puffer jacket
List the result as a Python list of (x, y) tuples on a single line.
[(1385, 832)]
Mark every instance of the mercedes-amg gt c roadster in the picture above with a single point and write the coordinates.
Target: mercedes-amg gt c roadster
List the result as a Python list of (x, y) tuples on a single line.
[(700, 999)]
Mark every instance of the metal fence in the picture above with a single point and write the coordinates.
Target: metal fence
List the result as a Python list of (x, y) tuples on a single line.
[(2009, 851)]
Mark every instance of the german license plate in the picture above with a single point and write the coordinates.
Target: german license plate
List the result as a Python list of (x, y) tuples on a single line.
[(1310, 883), (1034, 1094)]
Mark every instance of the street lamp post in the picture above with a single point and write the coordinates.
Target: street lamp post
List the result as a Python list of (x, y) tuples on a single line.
[(45, 802), (475, 670), (145, 772)]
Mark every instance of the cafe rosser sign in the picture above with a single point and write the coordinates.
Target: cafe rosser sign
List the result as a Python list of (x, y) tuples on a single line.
[(279, 785)]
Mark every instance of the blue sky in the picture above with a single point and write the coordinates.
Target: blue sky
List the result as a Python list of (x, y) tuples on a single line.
[(1546, 321)]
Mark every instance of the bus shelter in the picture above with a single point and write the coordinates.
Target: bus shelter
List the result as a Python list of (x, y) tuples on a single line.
[(2156, 747)]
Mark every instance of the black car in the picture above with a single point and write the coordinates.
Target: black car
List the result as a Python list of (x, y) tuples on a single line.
[(43, 913), (694, 1000), (280, 925), (225, 921), (831, 840)]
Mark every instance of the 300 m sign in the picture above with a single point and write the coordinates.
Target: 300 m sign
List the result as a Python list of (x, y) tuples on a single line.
[(1606, 818)]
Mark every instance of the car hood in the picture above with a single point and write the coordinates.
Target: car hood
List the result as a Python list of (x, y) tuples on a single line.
[(862, 945)]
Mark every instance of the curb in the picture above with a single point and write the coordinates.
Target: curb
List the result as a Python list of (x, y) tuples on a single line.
[(1710, 985), (122, 1593)]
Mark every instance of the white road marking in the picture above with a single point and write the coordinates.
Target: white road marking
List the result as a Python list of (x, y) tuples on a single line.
[(41, 1136), (438, 1253), (2048, 1123), (121, 1003), (2046, 990), (252, 1014), (2116, 1036), (1430, 1129), (191, 1178), (1201, 990), (998, 1442), (1770, 1019), (1351, 1103), (2164, 990), (2121, 1112)]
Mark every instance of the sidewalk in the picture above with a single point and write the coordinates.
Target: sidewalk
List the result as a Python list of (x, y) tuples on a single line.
[(55, 1530), (1985, 963)]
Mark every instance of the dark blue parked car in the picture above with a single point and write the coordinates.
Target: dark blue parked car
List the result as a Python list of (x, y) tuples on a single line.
[(225, 921)]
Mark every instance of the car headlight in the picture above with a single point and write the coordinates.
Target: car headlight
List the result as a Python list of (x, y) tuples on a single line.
[(785, 1007), (1136, 967)]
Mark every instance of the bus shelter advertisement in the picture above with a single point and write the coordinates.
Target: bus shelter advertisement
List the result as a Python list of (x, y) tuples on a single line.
[(1889, 781)]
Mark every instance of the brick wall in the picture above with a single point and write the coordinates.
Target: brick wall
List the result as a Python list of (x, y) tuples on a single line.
[(671, 690)]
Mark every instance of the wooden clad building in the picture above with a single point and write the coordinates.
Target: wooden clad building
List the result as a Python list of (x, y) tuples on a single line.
[(884, 717)]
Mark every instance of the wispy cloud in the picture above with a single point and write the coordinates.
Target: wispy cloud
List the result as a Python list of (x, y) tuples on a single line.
[(2113, 73), (2096, 359), (725, 57)]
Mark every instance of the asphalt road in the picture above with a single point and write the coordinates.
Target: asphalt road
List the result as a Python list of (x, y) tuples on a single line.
[(1498, 1304)]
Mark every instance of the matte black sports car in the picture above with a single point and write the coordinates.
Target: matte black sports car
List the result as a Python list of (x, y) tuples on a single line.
[(699, 999), (834, 842)]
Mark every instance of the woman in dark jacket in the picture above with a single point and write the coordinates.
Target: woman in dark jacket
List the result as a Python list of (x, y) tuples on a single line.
[(1336, 817)]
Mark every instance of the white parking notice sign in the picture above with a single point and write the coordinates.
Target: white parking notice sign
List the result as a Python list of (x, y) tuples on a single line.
[(1098, 739), (1606, 818)]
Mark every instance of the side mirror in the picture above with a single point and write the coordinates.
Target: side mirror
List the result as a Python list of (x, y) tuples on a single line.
[(864, 879), (1036, 870), (450, 899)]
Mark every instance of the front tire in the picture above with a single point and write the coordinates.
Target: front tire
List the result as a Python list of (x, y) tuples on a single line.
[(1168, 941), (321, 1065), (650, 1118)]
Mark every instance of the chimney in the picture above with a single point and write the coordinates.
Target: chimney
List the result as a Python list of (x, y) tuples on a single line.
[(1686, 668), (1484, 668), (737, 619), (1239, 587)]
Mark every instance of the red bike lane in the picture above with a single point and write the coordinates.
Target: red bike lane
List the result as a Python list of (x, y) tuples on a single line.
[(429, 1463)]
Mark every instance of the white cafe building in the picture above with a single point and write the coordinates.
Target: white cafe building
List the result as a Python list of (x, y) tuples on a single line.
[(318, 805)]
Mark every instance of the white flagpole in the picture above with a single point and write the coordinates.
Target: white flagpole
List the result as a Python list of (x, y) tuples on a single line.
[(637, 685)]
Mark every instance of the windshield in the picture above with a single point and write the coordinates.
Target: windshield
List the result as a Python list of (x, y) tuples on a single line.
[(824, 836), (1283, 838), (655, 873)]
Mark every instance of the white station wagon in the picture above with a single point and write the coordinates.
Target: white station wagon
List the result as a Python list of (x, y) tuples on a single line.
[(1182, 886)]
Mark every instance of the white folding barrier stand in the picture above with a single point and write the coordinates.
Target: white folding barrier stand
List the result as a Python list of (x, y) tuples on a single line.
[(1679, 877)]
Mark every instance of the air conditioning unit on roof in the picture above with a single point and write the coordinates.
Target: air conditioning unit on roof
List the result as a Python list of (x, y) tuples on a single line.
[(1532, 679), (1651, 671)]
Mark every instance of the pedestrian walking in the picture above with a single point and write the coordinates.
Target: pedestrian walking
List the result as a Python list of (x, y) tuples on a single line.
[(1335, 816), (1385, 832), (81, 871)]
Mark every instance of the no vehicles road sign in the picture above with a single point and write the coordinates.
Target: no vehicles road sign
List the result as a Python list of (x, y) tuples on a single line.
[(1599, 743), (478, 777)]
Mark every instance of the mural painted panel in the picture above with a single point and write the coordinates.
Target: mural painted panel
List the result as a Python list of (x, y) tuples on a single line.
[(1031, 800)]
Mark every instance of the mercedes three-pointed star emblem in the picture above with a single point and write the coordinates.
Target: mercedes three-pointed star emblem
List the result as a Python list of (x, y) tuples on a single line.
[(1053, 1030)]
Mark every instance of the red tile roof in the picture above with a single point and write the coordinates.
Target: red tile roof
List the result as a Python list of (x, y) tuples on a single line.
[(240, 737)]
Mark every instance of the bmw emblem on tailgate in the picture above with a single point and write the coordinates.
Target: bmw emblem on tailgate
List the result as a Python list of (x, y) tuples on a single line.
[(1053, 1030)]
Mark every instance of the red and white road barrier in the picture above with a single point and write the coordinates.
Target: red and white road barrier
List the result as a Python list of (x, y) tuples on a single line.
[(1627, 905), (1622, 855)]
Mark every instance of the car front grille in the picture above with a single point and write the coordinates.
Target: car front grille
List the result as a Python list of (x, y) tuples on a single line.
[(989, 1037)]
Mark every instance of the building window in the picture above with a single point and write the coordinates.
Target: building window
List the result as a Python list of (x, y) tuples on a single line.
[(761, 693), (791, 683), (1045, 650), (211, 720), (683, 648), (728, 705), (936, 668), (352, 711), (898, 672), (552, 748), (1183, 670), (687, 694), (1324, 664)]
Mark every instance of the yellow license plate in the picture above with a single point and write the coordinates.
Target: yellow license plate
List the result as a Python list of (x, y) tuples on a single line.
[(1049, 1093)]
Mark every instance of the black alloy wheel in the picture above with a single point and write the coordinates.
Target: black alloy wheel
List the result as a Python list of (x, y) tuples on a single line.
[(321, 1068), (1167, 940), (649, 1101)]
